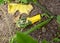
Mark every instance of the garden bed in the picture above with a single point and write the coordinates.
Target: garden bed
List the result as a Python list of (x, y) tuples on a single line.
[(48, 32)]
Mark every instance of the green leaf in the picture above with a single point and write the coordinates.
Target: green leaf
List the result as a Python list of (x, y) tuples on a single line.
[(34, 1), (57, 34), (7, 1), (22, 38), (24, 1), (56, 40), (58, 19), (1, 2), (44, 14), (44, 41)]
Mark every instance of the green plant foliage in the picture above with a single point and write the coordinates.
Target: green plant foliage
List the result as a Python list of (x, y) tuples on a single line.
[(7, 1), (4, 1), (56, 40), (57, 34), (59, 27), (24, 1), (41, 24), (44, 14), (28, 1), (44, 41), (58, 19), (1, 2), (22, 38), (22, 23)]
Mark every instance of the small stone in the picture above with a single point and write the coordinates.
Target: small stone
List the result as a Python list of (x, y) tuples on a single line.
[(43, 29)]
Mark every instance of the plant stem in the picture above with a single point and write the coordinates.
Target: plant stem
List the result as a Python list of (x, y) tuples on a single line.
[(38, 26)]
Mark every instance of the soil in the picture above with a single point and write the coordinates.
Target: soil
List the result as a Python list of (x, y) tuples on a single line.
[(48, 32)]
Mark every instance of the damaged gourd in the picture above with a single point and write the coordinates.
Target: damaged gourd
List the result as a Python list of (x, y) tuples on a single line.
[(22, 8), (24, 22)]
